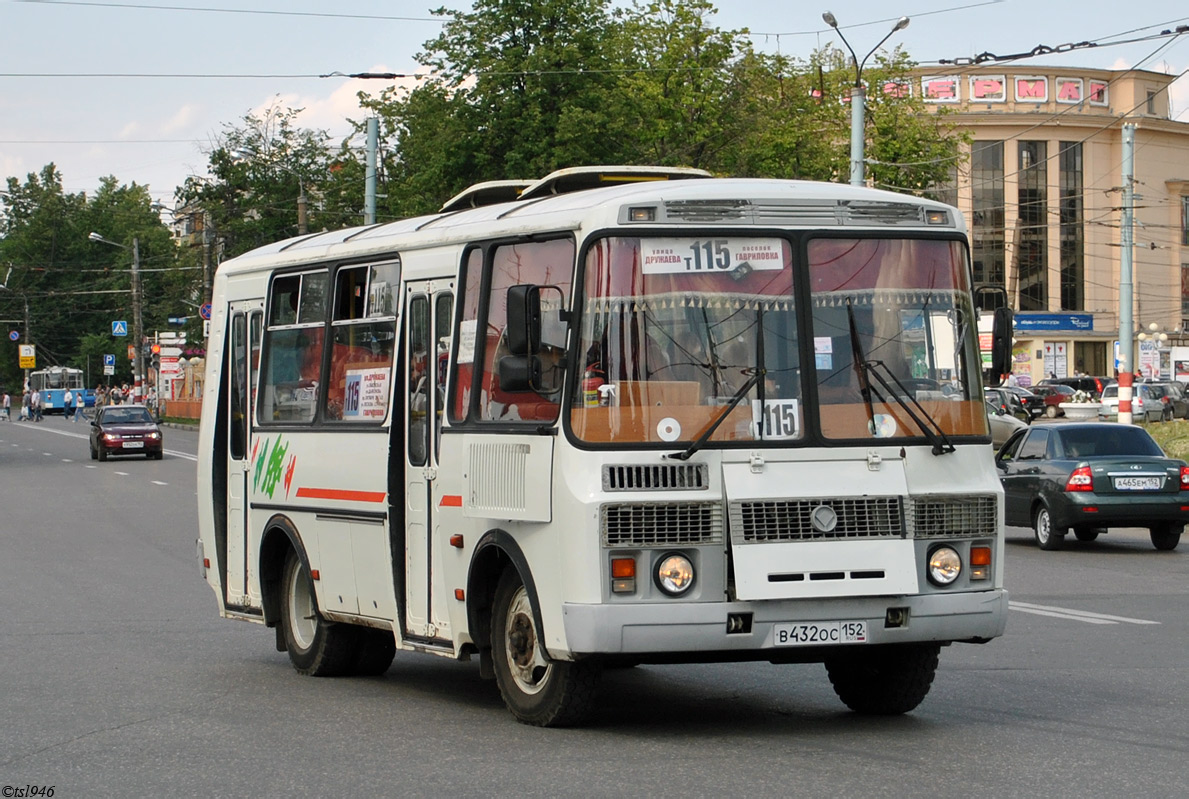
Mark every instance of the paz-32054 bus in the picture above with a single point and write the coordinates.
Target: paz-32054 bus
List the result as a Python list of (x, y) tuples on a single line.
[(617, 416)]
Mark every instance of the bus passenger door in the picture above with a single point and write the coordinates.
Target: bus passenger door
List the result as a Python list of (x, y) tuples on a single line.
[(243, 358), (429, 306)]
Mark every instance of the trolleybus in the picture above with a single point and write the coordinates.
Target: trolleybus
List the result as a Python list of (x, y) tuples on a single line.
[(617, 416), (53, 382)]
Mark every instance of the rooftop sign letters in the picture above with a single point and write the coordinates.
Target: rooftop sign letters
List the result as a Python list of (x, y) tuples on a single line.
[(1035, 89)]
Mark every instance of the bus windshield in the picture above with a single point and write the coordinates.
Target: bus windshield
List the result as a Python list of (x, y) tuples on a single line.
[(671, 341), (671, 348), (893, 338)]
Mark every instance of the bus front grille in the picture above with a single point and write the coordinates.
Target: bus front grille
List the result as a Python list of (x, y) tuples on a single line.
[(660, 524), (754, 522), (656, 477), (947, 516)]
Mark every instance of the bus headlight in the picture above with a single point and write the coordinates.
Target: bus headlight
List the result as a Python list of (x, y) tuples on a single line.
[(945, 564), (674, 574)]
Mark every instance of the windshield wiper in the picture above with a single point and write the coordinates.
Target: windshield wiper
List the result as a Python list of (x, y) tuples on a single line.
[(867, 369), (686, 453)]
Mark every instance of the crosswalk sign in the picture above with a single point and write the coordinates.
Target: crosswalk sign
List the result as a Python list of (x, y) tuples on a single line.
[(119, 328)]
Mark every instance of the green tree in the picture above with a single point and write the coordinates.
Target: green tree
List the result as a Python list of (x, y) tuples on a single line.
[(75, 287), (263, 174)]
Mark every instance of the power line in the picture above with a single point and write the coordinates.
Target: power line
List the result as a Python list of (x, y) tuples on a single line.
[(210, 10)]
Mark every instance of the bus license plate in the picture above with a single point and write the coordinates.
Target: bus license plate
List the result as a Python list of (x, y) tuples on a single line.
[(133, 445), (1138, 483), (813, 633)]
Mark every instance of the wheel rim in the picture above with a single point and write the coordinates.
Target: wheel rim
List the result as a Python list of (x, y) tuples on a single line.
[(1043, 527), (302, 620), (526, 661)]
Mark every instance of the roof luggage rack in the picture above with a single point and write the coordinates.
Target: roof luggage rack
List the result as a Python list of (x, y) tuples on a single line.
[(489, 192), (580, 178)]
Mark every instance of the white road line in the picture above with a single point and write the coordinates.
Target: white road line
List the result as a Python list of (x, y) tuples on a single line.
[(67, 460), (1076, 615), (122, 474), (50, 454), (158, 483), (92, 466)]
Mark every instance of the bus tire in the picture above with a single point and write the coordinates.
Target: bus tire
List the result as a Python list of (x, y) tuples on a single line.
[(317, 647), (537, 690), (376, 649), (886, 680)]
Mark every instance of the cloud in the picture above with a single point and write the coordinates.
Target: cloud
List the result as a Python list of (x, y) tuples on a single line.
[(331, 112), (182, 119)]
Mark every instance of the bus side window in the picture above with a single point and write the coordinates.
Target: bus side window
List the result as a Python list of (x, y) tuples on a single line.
[(364, 329), (293, 346), (542, 263)]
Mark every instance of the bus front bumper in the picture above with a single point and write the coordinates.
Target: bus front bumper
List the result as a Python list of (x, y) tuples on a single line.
[(699, 631)]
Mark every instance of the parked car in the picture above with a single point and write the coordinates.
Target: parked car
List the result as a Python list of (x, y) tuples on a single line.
[(125, 430), (1092, 476), (1034, 404), (1146, 404), (1002, 423), (1176, 398), (1053, 396), (1009, 402), (1090, 385)]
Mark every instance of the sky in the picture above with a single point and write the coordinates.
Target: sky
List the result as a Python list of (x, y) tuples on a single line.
[(142, 89)]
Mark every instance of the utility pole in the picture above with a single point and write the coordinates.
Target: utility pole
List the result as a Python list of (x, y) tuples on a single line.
[(302, 222), (1126, 233), (137, 325), (369, 185)]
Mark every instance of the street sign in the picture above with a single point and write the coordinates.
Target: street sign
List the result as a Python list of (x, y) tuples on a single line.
[(109, 370), (132, 352), (109, 360), (119, 328), (13, 335), (28, 355), (171, 352), (205, 310)]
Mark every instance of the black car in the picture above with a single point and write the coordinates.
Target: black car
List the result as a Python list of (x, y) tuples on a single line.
[(1092, 476), (1008, 402), (125, 430), (1034, 403)]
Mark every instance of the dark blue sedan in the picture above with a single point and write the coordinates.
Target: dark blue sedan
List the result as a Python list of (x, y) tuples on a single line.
[(1091, 477)]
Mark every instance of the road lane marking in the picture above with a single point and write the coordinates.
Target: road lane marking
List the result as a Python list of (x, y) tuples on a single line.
[(87, 437), (1075, 615), (158, 483), (122, 474), (67, 460)]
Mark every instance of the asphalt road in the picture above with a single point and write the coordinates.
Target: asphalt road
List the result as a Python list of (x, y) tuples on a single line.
[(117, 678)]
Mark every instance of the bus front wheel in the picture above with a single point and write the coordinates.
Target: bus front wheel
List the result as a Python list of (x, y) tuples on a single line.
[(536, 689), (316, 647), (884, 681)]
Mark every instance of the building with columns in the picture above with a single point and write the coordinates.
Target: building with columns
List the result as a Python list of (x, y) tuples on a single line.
[(1042, 194)]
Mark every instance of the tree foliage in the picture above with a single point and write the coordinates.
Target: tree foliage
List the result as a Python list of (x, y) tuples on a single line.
[(74, 287)]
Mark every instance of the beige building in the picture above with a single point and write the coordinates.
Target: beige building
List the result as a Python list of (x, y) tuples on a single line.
[(1042, 193)]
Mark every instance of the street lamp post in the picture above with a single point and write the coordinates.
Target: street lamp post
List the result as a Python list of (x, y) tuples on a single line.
[(138, 375), (858, 98)]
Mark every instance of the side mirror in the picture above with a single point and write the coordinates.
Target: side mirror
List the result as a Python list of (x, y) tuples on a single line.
[(1001, 344), (524, 320), (520, 373)]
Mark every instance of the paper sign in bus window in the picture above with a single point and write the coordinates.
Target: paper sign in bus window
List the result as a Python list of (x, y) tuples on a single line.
[(365, 394)]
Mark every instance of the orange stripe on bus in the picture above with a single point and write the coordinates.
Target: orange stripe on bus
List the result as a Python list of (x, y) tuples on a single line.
[(451, 501), (339, 493)]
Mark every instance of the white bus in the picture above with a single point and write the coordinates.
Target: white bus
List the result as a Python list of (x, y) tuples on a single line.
[(609, 418)]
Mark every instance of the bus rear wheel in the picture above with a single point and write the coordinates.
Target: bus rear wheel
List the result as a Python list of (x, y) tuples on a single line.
[(886, 680), (536, 689), (316, 647)]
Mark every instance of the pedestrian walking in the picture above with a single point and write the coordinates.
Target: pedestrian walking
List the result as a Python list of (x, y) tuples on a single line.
[(80, 404), (26, 407), (68, 405), (35, 405), (7, 407)]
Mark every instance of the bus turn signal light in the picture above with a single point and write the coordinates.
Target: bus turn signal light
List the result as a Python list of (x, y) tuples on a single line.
[(623, 575), (980, 563)]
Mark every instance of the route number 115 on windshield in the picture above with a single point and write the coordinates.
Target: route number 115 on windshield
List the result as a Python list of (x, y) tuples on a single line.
[(778, 418), (671, 256)]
